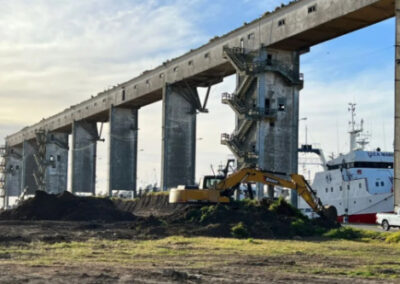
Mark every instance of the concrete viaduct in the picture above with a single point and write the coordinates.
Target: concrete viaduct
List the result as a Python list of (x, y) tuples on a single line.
[(265, 56)]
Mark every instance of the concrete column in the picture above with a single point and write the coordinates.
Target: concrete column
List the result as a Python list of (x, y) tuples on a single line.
[(29, 167), (123, 149), (277, 141), (179, 137), (56, 175), (397, 112), (13, 172), (266, 103), (84, 140)]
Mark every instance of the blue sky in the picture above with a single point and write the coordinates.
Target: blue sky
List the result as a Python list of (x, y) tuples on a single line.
[(57, 53)]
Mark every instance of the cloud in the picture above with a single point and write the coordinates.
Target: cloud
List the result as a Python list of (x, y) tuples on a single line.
[(57, 53)]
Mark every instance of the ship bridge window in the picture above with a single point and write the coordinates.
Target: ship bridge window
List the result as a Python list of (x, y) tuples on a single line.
[(375, 165), (348, 186), (331, 189), (340, 188), (326, 189), (360, 185), (382, 183), (377, 183)]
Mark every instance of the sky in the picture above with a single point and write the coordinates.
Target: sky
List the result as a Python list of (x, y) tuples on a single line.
[(54, 54)]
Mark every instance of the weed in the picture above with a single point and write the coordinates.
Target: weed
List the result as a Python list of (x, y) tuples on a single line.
[(393, 238), (239, 231)]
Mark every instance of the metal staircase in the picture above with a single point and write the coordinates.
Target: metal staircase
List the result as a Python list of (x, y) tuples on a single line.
[(40, 160), (245, 158), (247, 64)]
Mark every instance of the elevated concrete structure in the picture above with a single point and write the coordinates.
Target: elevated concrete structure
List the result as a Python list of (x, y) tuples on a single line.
[(207, 64), (123, 148), (288, 31), (84, 143)]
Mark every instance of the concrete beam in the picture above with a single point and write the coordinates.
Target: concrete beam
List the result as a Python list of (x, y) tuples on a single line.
[(84, 141), (178, 136), (207, 64), (56, 175), (13, 172), (29, 167), (397, 113), (123, 148)]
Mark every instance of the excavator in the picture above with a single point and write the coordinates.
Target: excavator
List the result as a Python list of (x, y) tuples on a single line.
[(219, 189)]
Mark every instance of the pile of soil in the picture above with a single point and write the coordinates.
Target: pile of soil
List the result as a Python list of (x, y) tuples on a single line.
[(265, 219), (153, 217), (151, 205), (66, 207)]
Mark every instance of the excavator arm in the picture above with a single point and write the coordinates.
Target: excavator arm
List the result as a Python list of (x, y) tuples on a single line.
[(250, 175), (221, 191)]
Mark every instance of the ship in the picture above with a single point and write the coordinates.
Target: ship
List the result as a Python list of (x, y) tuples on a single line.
[(359, 184)]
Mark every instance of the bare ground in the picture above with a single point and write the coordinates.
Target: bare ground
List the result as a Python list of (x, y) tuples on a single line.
[(89, 252)]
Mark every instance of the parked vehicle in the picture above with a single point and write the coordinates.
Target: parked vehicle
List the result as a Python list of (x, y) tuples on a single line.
[(388, 220)]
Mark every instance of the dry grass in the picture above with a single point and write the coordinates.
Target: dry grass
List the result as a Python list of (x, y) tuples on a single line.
[(359, 259)]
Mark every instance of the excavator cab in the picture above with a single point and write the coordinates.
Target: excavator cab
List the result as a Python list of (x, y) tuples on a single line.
[(209, 182)]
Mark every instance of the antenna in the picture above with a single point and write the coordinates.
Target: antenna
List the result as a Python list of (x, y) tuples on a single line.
[(212, 169), (356, 132)]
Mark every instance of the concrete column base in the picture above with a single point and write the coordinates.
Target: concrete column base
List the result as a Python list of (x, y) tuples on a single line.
[(123, 149), (178, 137), (84, 140)]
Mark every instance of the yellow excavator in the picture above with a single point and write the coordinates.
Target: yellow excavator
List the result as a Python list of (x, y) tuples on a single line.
[(219, 189)]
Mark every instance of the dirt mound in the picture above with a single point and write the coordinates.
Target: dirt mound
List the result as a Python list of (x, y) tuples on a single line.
[(66, 207), (153, 217), (264, 219), (151, 205), (246, 219)]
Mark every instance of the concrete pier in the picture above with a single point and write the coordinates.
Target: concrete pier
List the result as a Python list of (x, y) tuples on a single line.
[(266, 103), (13, 172), (29, 167), (56, 175), (397, 112), (123, 148), (84, 140), (178, 136)]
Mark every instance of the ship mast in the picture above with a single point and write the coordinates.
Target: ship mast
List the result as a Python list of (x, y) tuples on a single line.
[(354, 131)]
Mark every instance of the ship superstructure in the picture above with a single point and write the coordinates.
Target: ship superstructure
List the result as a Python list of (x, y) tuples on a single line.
[(360, 183)]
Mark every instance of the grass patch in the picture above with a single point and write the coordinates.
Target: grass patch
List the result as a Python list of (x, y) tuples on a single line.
[(393, 238), (376, 259), (239, 231), (349, 233)]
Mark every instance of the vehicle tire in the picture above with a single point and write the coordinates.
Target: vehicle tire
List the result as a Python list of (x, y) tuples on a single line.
[(385, 225)]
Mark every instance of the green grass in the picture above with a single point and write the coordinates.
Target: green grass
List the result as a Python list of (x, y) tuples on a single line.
[(393, 238), (334, 257), (349, 233)]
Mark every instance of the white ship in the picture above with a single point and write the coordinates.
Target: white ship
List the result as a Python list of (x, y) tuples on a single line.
[(359, 184)]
